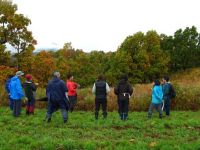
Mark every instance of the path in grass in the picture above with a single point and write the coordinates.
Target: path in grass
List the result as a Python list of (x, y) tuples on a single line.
[(180, 131)]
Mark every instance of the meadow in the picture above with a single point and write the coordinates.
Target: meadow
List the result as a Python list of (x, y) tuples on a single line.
[(178, 132)]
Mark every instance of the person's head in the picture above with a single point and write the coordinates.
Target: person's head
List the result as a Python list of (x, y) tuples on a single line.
[(19, 73), (70, 77), (56, 74), (28, 77), (101, 77), (156, 82), (165, 79), (124, 77)]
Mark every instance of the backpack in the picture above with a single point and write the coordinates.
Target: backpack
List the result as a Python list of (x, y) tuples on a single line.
[(172, 92)]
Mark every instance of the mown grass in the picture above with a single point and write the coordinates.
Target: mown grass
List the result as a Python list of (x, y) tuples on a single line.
[(180, 131)]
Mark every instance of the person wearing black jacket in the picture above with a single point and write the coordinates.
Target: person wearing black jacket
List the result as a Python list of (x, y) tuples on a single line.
[(123, 90), (100, 89), (30, 91), (56, 92)]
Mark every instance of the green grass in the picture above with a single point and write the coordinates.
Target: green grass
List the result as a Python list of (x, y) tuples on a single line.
[(180, 131)]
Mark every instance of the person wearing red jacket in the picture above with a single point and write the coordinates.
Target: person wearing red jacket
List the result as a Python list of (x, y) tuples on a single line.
[(72, 94)]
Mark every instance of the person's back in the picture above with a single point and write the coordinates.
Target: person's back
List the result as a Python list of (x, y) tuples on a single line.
[(56, 89), (29, 89), (100, 89), (156, 99), (123, 90), (168, 94), (16, 92), (57, 99), (157, 94)]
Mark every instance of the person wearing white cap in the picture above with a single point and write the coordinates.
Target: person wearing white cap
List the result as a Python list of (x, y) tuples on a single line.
[(16, 93)]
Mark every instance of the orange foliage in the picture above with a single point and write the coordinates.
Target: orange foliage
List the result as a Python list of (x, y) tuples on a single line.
[(43, 67)]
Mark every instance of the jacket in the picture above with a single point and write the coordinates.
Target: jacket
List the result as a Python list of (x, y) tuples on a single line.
[(166, 91), (71, 86), (15, 87), (100, 89), (30, 89), (157, 95), (56, 89), (123, 90)]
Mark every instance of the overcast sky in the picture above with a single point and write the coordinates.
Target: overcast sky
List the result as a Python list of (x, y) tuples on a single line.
[(104, 24)]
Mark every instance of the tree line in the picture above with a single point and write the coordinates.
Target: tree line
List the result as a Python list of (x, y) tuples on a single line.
[(143, 56)]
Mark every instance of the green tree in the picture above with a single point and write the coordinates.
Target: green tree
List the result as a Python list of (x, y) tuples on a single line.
[(183, 48), (13, 27), (4, 56)]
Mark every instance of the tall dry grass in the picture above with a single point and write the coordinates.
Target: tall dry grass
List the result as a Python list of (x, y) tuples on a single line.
[(187, 86)]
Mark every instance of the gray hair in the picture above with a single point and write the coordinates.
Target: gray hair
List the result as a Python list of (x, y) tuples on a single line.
[(56, 74)]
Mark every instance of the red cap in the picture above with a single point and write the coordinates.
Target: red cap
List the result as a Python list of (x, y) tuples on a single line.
[(28, 77)]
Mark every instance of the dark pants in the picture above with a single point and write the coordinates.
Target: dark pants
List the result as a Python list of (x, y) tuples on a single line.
[(167, 106), (54, 106), (73, 101), (98, 104), (123, 108), (11, 103), (17, 108), (157, 107), (30, 106)]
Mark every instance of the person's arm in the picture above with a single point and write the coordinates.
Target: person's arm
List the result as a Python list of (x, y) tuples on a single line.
[(34, 87), (107, 88), (94, 89), (159, 94), (19, 89), (116, 91), (130, 89)]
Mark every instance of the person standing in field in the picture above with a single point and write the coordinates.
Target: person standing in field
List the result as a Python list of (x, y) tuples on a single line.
[(123, 90), (156, 99), (72, 94), (168, 94), (30, 92), (11, 103), (100, 90), (16, 93), (56, 92)]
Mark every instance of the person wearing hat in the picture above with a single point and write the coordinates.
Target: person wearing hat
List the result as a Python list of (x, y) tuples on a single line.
[(123, 90), (16, 93), (30, 91), (56, 92)]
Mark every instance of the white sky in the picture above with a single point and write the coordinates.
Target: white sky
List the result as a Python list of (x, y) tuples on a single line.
[(104, 24)]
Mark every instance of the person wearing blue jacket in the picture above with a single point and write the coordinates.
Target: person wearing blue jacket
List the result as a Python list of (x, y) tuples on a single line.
[(157, 99), (16, 93), (56, 92), (7, 84)]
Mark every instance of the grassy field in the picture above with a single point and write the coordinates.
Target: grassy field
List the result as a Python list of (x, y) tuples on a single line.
[(178, 132)]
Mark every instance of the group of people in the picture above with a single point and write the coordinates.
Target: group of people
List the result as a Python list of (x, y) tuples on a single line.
[(63, 96)]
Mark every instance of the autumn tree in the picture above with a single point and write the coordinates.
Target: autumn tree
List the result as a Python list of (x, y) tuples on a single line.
[(13, 27), (43, 67)]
